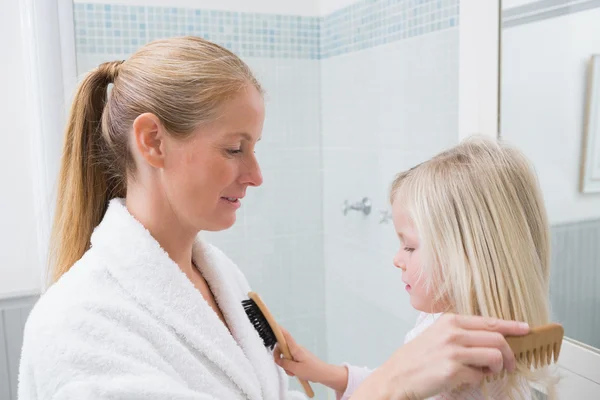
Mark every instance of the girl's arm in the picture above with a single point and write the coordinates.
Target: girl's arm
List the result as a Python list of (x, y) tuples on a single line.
[(310, 367)]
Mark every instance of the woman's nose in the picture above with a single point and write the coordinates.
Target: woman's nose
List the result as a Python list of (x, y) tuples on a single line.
[(253, 175)]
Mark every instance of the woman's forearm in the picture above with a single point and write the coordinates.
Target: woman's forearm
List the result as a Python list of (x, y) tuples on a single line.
[(380, 385)]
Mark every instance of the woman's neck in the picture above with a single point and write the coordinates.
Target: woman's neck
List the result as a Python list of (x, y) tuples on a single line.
[(158, 218)]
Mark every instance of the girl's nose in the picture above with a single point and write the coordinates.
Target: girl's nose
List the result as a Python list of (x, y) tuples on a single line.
[(399, 263)]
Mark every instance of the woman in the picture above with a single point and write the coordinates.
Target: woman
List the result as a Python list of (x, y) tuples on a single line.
[(142, 308)]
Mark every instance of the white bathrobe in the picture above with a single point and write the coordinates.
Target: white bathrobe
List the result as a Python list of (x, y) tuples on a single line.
[(126, 323)]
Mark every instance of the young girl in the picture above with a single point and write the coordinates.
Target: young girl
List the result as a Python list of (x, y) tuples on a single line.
[(474, 240)]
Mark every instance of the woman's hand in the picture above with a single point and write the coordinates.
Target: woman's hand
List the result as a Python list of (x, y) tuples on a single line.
[(309, 367), (455, 350)]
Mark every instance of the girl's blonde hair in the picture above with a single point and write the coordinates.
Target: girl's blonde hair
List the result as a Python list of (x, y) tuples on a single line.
[(483, 232), (182, 81)]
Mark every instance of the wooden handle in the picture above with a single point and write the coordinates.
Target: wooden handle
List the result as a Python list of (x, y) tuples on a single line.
[(307, 389), (280, 339)]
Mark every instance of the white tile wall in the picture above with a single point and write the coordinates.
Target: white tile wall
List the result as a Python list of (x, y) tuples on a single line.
[(277, 241), (305, 7), (329, 6), (20, 268), (384, 110)]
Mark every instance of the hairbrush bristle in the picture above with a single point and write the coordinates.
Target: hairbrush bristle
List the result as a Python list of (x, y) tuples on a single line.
[(260, 323)]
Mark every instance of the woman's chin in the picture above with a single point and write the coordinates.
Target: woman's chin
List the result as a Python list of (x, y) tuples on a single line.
[(223, 223)]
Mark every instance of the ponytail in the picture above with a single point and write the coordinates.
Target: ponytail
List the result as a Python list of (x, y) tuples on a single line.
[(84, 185)]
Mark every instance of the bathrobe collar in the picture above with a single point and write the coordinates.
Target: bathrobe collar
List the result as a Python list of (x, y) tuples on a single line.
[(138, 263)]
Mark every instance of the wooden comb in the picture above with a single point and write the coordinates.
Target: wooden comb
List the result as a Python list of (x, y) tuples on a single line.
[(538, 348)]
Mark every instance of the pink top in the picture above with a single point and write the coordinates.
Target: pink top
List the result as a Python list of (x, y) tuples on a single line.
[(495, 390)]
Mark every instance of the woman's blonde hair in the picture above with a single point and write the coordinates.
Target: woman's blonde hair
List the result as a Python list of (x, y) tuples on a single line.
[(483, 232), (183, 81)]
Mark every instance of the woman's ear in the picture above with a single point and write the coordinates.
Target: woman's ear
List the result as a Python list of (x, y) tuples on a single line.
[(149, 137)]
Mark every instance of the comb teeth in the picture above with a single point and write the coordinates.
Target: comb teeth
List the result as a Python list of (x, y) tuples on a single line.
[(539, 357), (537, 349)]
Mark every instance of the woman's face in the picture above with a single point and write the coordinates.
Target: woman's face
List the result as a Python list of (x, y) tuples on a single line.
[(206, 176)]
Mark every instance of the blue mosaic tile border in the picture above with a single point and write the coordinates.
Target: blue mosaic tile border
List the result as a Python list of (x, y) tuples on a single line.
[(370, 23), (120, 30)]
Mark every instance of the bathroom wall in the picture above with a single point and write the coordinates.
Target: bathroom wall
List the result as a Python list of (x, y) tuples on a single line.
[(20, 272), (302, 8), (19, 266), (327, 7), (389, 101), (30, 123), (575, 280)]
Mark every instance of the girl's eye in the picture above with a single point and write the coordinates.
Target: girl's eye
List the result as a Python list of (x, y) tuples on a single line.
[(409, 249)]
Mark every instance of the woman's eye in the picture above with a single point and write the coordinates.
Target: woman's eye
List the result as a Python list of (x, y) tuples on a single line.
[(409, 249)]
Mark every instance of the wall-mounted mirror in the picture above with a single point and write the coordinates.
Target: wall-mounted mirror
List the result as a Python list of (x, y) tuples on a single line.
[(550, 102)]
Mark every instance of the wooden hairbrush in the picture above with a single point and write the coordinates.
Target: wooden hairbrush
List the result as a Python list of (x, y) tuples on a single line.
[(269, 331), (538, 348)]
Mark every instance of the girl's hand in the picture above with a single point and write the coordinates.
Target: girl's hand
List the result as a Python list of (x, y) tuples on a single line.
[(309, 367)]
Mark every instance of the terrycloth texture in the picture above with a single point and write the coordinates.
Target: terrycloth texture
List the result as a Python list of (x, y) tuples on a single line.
[(126, 323), (495, 389)]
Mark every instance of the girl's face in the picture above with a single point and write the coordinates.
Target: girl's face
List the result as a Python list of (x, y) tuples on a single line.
[(409, 260)]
